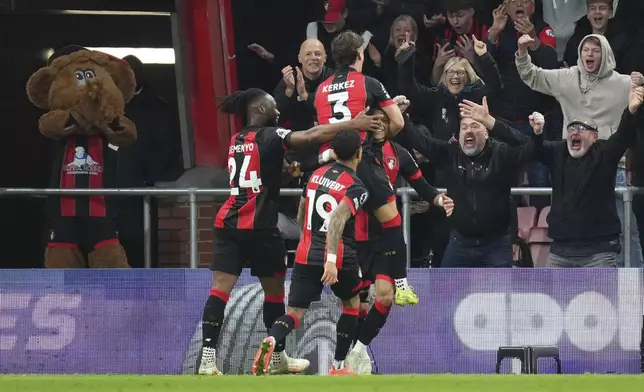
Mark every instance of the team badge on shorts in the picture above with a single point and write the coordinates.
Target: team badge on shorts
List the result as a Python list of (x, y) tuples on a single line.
[(52, 235)]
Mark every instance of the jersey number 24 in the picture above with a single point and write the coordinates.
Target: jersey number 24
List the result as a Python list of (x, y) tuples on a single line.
[(247, 179)]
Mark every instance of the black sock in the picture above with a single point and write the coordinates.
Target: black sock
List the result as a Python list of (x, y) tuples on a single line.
[(394, 249), (274, 309), (213, 317), (361, 317), (345, 330), (373, 323), (283, 326)]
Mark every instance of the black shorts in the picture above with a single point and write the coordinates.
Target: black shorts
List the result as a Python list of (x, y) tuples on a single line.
[(372, 262), (372, 174), (263, 251), (81, 232), (306, 286)]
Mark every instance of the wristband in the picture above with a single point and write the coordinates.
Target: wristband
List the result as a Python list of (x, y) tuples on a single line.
[(331, 258), (440, 201), (326, 156)]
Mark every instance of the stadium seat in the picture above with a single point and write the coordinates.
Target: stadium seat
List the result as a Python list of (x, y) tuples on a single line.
[(537, 352), (527, 220), (539, 246), (523, 353)]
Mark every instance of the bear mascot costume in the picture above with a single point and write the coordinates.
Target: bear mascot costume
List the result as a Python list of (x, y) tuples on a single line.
[(85, 92)]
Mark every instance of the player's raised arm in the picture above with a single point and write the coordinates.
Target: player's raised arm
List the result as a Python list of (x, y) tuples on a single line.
[(325, 133)]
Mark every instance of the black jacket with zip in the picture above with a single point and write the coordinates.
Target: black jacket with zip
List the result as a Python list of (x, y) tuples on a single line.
[(479, 185)]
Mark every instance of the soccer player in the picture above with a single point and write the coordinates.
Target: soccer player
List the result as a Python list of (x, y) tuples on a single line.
[(246, 225), (339, 99), (396, 161), (326, 253)]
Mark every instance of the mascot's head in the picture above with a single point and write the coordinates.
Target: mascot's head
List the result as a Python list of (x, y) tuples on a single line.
[(74, 72)]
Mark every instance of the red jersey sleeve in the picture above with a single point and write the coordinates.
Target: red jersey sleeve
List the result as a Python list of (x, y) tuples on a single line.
[(547, 36), (377, 91)]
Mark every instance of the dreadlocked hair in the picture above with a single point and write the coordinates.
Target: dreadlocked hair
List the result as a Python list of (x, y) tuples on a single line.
[(238, 102)]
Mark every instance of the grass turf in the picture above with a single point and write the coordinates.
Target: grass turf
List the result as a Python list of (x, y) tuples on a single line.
[(406, 383)]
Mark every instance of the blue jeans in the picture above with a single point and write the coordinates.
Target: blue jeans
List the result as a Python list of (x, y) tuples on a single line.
[(538, 174), (636, 249), (463, 253)]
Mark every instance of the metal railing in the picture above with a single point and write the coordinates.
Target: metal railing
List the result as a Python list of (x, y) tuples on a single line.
[(194, 193)]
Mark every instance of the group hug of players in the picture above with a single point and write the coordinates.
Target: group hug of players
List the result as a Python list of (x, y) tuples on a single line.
[(352, 234)]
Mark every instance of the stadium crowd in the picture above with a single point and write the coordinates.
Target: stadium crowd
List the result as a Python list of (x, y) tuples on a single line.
[(445, 67)]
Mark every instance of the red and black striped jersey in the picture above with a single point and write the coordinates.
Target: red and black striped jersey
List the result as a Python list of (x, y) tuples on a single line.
[(396, 161), (82, 162), (327, 187), (345, 94), (255, 159)]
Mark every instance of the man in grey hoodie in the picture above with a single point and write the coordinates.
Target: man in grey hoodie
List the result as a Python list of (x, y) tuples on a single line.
[(590, 90)]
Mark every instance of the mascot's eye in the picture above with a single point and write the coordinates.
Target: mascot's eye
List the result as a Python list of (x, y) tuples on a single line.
[(89, 74), (79, 75)]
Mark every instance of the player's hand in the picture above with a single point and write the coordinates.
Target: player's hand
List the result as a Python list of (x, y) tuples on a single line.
[(405, 46), (480, 48), (369, 122), (537, 122), (330, 276), (525, 41), (262, 52), (635, 98), (294, 169), (402, 102)]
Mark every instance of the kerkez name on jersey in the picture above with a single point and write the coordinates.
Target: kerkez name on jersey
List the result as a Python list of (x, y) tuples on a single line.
[(338, 86), (323, 181)]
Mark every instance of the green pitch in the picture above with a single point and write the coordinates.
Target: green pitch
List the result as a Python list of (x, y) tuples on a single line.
[(440, 383)]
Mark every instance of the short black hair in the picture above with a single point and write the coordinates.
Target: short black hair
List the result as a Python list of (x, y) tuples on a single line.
[(344, 48), (458, 5), (346, 144)]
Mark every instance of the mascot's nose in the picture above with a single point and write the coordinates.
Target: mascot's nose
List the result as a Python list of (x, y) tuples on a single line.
[(94, 87)]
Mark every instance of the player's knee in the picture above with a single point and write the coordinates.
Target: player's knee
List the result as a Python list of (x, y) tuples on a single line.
[(273, 286), (385, 299), (298, 313), (223, 281)]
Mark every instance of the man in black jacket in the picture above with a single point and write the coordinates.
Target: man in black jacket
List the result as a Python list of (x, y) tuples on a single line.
[(481, 172), (583, 221)]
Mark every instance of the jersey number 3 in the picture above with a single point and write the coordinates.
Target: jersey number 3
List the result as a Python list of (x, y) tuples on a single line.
[(338, 102), (323, 206), (252, 182)]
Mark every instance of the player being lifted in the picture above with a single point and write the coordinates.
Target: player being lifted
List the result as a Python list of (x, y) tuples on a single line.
[(326, 253), (245, 228), (342, 97)]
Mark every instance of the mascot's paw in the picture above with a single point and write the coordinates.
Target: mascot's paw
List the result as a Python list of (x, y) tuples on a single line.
[(56, 257), (121, 131), (108, 256), (56, 125)]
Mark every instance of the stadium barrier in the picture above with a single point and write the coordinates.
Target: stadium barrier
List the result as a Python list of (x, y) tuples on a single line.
[(148, 321), (193, 194)]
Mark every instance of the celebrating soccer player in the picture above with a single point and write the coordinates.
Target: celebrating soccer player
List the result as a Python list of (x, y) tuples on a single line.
[(339, 99), (326, 253), (246, 225)]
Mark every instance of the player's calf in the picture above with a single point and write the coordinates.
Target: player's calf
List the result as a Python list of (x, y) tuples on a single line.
[(345, 330)]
